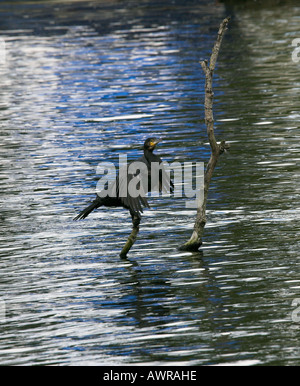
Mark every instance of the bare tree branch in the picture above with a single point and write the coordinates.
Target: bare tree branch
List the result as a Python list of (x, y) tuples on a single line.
[(195, 240)]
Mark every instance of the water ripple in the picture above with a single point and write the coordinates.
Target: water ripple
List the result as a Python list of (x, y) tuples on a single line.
[(79, 86)]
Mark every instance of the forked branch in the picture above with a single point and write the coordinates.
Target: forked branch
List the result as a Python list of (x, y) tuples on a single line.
[(195, 240)]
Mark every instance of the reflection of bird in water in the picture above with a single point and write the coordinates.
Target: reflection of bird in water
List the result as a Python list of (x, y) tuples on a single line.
[(129, 189)]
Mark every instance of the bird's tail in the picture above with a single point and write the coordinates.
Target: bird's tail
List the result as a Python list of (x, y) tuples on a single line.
[(94, 205)]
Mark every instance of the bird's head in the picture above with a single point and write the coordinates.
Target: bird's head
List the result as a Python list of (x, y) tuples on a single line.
[(150, 143)]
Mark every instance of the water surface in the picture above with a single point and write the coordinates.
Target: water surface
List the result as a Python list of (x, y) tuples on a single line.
[(85, 81)]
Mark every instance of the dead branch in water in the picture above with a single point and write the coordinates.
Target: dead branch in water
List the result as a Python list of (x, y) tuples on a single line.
[(195, 240)]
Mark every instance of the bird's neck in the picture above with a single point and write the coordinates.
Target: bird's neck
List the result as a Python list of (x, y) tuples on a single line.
[(148, 154)]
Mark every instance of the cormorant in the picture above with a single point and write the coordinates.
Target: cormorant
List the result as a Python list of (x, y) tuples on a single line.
[(119, 194)]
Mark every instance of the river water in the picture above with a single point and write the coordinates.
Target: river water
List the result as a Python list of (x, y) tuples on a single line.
[(82, 82)]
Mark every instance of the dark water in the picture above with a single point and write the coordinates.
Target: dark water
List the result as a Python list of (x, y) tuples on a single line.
[(85, 81)]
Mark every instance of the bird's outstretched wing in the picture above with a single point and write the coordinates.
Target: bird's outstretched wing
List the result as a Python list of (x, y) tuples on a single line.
[(160, 177), (132, 190)]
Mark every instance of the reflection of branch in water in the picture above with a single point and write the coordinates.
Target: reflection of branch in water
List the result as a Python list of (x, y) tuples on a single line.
[(153, 294)]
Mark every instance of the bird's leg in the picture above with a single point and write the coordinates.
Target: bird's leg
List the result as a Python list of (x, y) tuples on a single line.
[(131, 239)]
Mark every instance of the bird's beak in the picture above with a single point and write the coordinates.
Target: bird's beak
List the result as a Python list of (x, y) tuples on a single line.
[(155, 142)]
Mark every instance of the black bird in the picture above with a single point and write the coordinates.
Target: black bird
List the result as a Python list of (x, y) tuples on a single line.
[(149, 175)]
